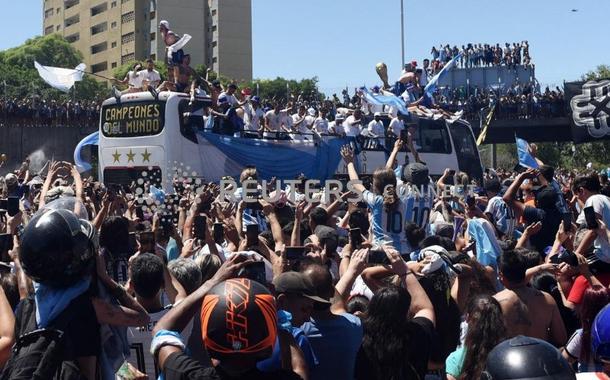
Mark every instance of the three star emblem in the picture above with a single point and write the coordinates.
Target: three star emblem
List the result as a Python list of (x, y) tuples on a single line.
[(116, 156)]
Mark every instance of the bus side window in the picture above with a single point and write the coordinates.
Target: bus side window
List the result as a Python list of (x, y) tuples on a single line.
[(185, 128)]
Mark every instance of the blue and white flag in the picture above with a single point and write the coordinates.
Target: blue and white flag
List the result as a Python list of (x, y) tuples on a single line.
[(60, 78), (385, 100), (525, 157), (431, 86), (82, 165)]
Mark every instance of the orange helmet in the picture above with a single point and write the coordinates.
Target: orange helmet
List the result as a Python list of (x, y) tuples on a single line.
[(239, 316)]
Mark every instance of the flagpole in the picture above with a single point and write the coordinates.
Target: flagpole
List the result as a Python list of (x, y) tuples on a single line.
[(402, 32)]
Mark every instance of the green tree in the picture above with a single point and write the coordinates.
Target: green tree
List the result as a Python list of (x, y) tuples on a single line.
[(22, 80)]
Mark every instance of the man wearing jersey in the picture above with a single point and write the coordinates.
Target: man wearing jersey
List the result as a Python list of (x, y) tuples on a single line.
[(387, 209), (417, 195), (499, 214), (146, 278)]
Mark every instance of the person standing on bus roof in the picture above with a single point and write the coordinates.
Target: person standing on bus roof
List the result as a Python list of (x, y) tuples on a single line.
[(132, 80), (376, 131), (353, 124), (150, 76), (231, 98), (226, 118), (253, 114), (273, 121)]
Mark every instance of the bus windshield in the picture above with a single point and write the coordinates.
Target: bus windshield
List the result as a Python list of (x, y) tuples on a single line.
[(144, 118)]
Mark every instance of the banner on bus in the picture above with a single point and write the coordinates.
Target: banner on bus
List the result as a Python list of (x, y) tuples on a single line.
[(589, 110), (135, 119)]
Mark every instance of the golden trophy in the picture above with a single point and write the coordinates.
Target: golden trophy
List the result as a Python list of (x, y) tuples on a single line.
[(3, 158), (382, 71)]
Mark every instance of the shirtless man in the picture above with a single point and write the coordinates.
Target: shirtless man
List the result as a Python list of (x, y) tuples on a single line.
[(185, 73), (527, 311), (171, 38)]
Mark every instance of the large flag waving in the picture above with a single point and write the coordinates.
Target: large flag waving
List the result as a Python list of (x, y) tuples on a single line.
[(60, 78), (525, 157), (388, 100), (81, 164), (431, 86)]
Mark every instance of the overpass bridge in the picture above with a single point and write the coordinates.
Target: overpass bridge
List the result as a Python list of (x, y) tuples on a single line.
[(501, 131)]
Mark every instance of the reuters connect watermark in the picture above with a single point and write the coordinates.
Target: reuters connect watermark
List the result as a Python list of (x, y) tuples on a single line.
[(314, 191)]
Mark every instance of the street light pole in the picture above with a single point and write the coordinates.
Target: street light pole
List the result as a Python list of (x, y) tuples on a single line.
[(402, 32)]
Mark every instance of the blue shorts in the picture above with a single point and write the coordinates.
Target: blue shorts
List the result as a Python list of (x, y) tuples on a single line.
[(177, 57)]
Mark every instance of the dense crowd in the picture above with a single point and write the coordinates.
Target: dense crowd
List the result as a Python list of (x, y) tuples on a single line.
[(516, 102), (483, 55), (35, 111), (399, 277)]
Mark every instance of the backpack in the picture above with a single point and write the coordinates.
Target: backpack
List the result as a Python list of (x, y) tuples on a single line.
[(38, 353)]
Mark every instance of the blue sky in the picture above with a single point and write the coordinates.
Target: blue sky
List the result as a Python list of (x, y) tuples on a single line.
[(340, 41)]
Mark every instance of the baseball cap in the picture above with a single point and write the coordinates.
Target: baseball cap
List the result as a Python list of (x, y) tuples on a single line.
[(164, 23), (232, 85), (298, 284), (216, 83), (311, 112), (222, 99), (377, 114), (414, 63), (246, 91), (256, 99), (416, 173), (339, 117), (244, 300)]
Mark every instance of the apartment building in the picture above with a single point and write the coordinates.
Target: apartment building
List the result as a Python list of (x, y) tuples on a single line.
[(110, 33)]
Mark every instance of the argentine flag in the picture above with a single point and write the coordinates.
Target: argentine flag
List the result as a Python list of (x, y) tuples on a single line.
[(431, 86), (388, 100)]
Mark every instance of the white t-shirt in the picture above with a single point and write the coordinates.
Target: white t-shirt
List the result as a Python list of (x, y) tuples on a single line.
[(396, 126), (274, 120), (152, 77), (139, 344), (302, 127), (252, 117), (334, 128), (286, 120), (134, 79), (231, 99), (320, 125), (601, 206), (376, 128), (349, 128)]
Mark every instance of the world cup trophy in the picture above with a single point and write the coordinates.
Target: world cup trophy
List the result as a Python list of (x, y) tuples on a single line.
[(382, 71), (3, 158)]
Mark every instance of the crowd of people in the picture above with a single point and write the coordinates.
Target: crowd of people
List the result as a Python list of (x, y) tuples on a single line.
[(521, 101), (35, 111), (399, 277), (483, 55)]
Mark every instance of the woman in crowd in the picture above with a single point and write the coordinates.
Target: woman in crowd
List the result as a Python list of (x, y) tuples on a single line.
[(578, 348), (485, 330)]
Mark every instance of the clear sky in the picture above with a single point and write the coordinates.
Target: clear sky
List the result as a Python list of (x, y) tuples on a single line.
[(340, 41)]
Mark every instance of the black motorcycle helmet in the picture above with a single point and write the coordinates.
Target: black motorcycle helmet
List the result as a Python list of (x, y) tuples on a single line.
[(57, 248), (525, 358)]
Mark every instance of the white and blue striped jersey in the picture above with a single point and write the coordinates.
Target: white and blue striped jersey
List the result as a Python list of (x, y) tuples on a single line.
[(418, 205), (503, 216), (388, 228)]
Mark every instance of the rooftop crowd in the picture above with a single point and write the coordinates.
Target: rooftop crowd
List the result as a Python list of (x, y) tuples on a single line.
[(35, 111), (402, 277), (483, 55)]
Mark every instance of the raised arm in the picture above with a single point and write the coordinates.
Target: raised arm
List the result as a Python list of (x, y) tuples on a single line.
[(397, 147), (348, 156), (511, 194)]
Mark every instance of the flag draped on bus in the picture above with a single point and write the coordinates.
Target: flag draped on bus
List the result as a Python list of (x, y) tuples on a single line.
[(385, 100), (60, 78), (81, 164)]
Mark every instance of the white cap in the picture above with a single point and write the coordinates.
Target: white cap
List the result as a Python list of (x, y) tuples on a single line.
[(164, 23), (377, 114), (311, 112)]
